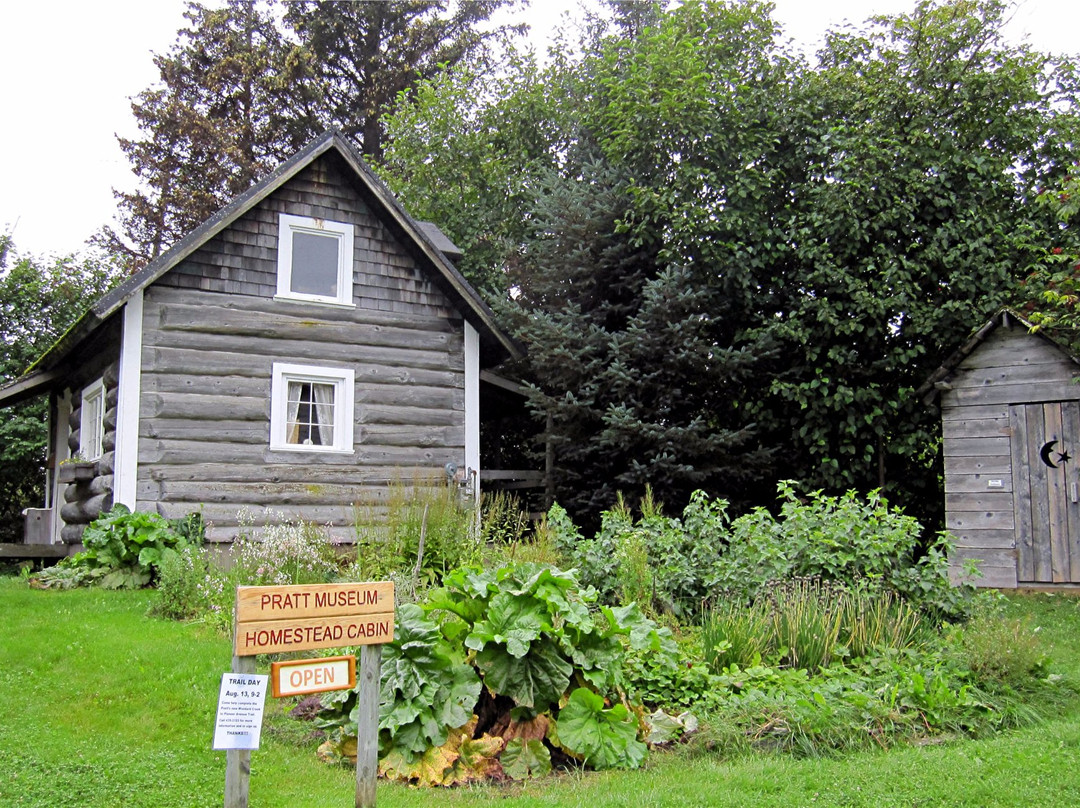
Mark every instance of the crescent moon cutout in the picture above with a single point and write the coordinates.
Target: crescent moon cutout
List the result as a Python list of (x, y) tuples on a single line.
[(1045, 452)]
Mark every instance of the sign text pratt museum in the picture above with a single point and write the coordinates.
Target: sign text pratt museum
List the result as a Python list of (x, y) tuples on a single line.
[(272, 619)]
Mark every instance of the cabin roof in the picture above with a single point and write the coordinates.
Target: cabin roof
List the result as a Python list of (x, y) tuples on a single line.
[(929, 390), (429, 241)]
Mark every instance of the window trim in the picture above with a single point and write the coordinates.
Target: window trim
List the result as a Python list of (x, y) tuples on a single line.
[(94, 427), (289, 224), (343, 380)]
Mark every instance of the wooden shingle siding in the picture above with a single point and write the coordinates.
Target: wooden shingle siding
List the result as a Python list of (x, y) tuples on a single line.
[(242, 260)]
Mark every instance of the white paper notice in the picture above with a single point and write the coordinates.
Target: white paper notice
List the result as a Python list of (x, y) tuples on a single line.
[(240, 711)]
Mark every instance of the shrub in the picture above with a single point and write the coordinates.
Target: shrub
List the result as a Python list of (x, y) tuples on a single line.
[(196, 585), (125, 548), (845, 539), (182, 593), (283, 552), (423, 530), (1004, 653)]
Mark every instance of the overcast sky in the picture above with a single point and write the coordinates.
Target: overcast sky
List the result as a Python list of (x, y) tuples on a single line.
[(69, 67)]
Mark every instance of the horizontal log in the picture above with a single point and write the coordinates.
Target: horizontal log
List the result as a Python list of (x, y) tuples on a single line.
[(16, 550), (198, 365), (182, 452), (197, 407), (350, 474), (411, 416), (450, 437), (250, 432), (261, 350), (225, 515), (87, 510), (278, 325), (159, 296), (261, 494), (72, 534)]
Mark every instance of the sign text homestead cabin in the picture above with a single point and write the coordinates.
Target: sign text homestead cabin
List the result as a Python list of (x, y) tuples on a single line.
[(303, 347)]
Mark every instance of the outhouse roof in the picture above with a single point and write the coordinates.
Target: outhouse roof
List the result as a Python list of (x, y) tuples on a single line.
[(929, 389)]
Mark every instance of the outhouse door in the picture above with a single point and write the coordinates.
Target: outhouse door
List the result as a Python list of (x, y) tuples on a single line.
[(1046, 491)]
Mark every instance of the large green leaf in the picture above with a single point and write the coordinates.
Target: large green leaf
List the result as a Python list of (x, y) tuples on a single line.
[(514, 620), (606, 738), (523, 759), (535, 680)]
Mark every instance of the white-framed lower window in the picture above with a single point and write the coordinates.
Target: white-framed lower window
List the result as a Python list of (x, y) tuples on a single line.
[(92, 421), (311, 408), (314, 259)]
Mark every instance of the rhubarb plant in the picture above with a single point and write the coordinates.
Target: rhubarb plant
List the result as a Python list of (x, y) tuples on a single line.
[(499, 673)]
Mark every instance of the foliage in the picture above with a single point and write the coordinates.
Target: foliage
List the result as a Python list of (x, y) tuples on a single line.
[(605, 738), (40, 298), (707, 556), (125, 548), (538, 644), (415, 536), (845, 539), (246, 84), (807, 623), (182, 584), (1050, 295), (235, 97), (128, 752), (738, 266), (197, 583), (1003, 652)]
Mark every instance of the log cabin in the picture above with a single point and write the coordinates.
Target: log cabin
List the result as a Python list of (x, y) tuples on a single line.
[(299, 351), (1010, 410)]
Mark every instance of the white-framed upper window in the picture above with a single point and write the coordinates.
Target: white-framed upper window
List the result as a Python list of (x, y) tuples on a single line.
[(92, 421), (311, 408), (314, 259)]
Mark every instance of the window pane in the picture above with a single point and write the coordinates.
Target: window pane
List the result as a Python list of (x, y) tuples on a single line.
[(314, 264), (310, 414)]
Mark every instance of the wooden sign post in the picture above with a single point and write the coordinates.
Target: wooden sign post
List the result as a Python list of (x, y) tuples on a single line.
[(273, 619)]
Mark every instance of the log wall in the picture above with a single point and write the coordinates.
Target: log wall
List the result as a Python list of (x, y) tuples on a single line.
[(84, 501)]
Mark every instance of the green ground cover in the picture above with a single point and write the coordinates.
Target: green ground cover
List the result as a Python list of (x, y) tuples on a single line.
[(104, 706)]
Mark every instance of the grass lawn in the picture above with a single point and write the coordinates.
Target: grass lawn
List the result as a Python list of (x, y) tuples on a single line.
[(103, 706)]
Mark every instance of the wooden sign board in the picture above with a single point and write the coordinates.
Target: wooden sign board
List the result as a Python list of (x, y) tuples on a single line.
[(299, 677), (273, 619)]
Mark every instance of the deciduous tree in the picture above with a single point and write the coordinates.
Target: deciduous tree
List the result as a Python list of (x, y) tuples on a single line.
[(39, 300)]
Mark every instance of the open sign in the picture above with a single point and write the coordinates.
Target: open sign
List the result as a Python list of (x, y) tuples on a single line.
[(301, 676)]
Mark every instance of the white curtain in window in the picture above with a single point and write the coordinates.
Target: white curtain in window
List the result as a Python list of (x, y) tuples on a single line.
[(324, 406), (292, 426)]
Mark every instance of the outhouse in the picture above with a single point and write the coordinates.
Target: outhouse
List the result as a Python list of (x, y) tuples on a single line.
[(1010, 410)]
